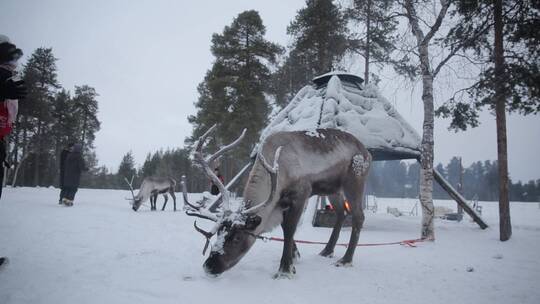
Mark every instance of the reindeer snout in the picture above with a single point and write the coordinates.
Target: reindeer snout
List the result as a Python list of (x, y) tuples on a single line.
[(214, 265), (134, 208)]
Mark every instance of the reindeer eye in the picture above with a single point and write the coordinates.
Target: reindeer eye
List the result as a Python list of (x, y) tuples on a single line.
[(236, 238)]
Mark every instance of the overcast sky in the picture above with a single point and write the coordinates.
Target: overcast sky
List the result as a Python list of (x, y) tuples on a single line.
[(146, 58)]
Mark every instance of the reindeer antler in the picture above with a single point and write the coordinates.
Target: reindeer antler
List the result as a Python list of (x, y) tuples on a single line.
[(204, 162), (273, 171), (198, 210), (130, 185), (207, 235)]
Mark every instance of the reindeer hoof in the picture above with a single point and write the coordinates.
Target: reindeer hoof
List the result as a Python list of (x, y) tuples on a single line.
[(283, 275), (327, 253), (343, 263)]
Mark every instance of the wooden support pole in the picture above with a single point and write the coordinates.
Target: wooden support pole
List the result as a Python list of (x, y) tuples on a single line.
[(459, 199)]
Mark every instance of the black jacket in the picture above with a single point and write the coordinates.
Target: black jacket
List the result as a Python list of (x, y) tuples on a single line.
[(73, 167), (4, 75), (63, 156)]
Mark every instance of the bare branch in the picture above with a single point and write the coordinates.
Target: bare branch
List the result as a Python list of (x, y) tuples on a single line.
[(445, 4)]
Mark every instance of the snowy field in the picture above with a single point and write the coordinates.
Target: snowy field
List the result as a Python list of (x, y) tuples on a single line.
[(100, 251)]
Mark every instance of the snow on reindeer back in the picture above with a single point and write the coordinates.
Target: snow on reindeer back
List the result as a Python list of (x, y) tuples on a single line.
[(362, 112)]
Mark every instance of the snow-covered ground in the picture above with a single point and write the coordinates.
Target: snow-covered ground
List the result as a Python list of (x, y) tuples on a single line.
[(100, 251)]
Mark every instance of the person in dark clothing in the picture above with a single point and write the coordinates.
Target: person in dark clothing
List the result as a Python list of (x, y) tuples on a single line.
[(63, 156), (214, 190), (11, 90), (73, 167)]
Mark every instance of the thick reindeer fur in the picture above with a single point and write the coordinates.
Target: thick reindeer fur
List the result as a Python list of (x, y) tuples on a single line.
[(151, 187), (326, 162)]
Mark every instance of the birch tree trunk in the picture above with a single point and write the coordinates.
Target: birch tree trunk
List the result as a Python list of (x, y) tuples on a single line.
[(505, 226), (428, 75), (18, 166), (426, 160)]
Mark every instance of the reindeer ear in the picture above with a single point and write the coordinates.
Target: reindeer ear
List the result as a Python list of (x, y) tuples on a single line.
[(252, 222)]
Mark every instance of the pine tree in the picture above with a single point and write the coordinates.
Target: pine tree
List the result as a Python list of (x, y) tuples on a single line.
[(319, 32), (40, 75), (232, 94), (506, 50), (85, 108), (374, 40)]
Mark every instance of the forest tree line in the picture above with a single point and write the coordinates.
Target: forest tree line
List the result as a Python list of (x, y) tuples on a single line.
[(50, 118), (252, 77), (386, 179)]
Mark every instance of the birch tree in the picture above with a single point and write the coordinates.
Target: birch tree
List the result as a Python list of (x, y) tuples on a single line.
[(423, 34)]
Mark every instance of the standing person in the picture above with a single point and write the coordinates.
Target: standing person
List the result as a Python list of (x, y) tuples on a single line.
[(214, 190), (11, 91), (63, 156), (73, 167)]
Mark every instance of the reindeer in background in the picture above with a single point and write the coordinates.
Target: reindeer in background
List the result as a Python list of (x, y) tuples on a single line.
[(151, 187), (331, 163)]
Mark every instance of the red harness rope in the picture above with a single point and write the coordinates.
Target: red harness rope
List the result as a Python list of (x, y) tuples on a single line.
[(410, 243)]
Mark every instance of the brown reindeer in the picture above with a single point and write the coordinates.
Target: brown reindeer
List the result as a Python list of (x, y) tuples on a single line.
[(325, 162)]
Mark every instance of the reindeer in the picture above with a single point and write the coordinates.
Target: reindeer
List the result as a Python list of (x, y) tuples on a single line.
[(327, 162), (151, 187)]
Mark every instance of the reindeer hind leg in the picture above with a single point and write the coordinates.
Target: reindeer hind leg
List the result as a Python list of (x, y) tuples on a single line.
[(338, 203), (166, 197), (354, 192), (171, 192)]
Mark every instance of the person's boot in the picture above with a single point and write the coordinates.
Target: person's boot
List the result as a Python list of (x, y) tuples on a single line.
[(3, 262)]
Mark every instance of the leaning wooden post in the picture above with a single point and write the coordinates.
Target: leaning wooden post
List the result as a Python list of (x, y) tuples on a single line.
[(458, 198)]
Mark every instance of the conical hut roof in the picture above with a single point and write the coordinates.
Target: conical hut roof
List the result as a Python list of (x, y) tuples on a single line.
[(340, 101)]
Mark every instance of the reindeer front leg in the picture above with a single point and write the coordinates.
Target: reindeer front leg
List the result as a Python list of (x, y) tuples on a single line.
[(290, 222), (153, 199), (296, 252)]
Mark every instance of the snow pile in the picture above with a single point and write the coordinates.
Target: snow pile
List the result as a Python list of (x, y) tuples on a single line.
[(362, 112)]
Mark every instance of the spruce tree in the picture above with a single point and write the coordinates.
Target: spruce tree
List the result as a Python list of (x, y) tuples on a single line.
[(232, 94), (126, 170)]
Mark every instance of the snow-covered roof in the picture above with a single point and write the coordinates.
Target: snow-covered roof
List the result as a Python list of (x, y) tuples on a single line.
[(346, 105), (323, 79)]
